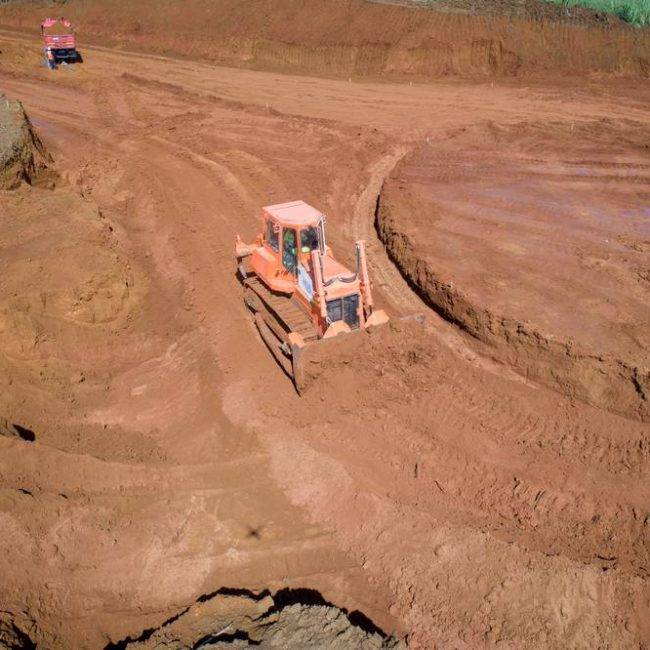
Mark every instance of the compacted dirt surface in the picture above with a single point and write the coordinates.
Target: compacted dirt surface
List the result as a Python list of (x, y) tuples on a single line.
[(552, 224), (160, 480)]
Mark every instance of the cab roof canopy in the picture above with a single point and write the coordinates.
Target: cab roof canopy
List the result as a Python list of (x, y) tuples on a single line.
[(294, 213), (51, 22)]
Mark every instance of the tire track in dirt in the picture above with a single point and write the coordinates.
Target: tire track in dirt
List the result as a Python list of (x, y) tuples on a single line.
[(382, 512), (384, 272)]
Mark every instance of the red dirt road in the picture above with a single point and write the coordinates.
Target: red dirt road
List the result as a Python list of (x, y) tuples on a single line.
[(432, 488)]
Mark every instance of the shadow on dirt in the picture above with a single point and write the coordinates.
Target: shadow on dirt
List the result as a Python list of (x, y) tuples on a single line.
[(14, 430)]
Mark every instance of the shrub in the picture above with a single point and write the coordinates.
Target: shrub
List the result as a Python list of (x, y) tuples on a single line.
[(636, 12)]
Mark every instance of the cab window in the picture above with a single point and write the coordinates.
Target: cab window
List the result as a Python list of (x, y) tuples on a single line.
[(309, 240), (289, 253), (273, 235)]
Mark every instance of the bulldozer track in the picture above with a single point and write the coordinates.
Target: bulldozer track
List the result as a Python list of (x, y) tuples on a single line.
[(284, 309)]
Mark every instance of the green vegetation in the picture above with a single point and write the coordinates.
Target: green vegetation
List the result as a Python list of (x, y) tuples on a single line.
[(636, 12)]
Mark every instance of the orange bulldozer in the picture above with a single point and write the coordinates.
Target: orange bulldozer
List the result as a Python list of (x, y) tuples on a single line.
[(300, 295)]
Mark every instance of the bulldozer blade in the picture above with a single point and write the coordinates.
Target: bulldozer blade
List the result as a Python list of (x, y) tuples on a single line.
[(305, 363), (316, 359)]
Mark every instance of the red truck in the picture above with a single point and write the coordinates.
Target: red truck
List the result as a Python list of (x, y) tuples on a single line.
[(59, 42)]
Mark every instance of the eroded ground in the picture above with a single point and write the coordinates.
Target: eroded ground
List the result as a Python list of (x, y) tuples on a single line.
[(419, 481)]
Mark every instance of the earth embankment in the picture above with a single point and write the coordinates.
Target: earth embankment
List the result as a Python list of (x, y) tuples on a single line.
[(356, 38), (538, 251)]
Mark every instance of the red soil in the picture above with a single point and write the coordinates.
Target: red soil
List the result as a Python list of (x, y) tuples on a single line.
[(418, 481), (552, 226), (357, 38)]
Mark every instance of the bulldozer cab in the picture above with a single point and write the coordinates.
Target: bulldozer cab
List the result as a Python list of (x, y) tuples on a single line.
[(292, 231), (297, 246), (272, 235)]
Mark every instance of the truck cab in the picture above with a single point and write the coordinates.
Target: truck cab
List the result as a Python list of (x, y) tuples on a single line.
[(59, 42)]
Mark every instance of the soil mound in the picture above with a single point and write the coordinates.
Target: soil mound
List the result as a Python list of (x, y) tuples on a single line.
[(242, 619), (355, 38), (23, 156), (540, 251)]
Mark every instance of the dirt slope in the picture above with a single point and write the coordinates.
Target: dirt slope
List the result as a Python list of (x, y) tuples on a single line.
[(447, 498), (352, 37), (96, 337)]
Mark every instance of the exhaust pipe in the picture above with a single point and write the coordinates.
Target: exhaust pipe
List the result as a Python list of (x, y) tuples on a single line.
[(318, 278)]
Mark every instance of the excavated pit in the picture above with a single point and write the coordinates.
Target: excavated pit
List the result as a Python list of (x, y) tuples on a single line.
[(536, 251), (291, 618), (12, 634)]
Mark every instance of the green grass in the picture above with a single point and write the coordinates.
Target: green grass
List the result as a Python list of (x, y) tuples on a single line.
[(636, 12)]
